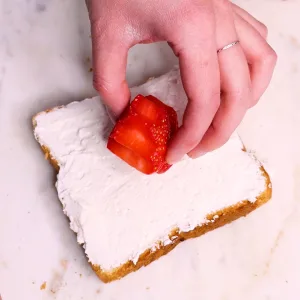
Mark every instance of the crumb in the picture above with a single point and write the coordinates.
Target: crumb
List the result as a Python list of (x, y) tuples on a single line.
[(91, 70), (294, 41), (3, 264), (98, 291), (43, 286), (52, 291), (294, 68), (80, 275), (56, 282), (40, 7), (147, 288), (33, 282), (87, 59), (64, 264)]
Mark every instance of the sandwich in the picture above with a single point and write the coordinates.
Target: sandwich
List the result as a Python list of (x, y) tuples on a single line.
[(126, 219)]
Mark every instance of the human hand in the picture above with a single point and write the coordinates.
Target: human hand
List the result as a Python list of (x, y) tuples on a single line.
[(220, 87)]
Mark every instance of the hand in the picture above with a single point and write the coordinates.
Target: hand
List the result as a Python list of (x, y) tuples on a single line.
[(220, 87)]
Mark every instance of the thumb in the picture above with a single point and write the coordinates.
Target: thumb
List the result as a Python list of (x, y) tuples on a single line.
[(109, 64)]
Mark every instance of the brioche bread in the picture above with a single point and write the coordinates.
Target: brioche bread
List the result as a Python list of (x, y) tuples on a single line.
[(124, 219)]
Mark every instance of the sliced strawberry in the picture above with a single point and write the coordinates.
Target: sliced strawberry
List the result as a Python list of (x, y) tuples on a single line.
[(172, 115), (164, 167), (142, 134), (130, 157), (131, 133), (145, 108)]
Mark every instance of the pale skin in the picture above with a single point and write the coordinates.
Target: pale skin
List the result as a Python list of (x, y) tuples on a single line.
[(220, 87)]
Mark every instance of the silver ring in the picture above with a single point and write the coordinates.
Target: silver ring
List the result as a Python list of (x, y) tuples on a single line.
[(228, 46)]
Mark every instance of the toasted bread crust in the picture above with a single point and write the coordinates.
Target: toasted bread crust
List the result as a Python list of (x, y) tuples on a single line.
[(225, 216)]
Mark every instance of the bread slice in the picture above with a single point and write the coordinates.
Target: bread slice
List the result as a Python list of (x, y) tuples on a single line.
[(124, 219)]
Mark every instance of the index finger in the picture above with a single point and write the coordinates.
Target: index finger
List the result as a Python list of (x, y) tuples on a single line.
[(201, 81), (109, 63)]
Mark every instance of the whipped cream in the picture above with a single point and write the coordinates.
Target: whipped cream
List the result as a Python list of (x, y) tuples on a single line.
[(116, 211)]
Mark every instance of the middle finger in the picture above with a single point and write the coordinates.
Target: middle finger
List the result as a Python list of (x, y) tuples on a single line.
[(235, 83)]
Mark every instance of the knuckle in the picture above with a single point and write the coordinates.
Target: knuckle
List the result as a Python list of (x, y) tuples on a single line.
[(203, 7), (263, 29), (270, 57), (207, 101), (253, 102), (102, 85), (224, 4), (215, 101), (195, 8), (235, 96), (103, 32), (192, 16), (240, 96)]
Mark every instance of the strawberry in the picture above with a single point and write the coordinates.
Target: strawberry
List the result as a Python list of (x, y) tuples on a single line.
[(141, 135)]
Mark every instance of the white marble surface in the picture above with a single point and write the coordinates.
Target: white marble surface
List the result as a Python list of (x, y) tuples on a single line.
[(44, 50)]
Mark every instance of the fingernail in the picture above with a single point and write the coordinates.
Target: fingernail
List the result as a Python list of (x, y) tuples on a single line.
[(111, 115), (172, 160), (197, 154)]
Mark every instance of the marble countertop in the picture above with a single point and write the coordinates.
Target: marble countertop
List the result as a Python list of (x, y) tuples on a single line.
[(45, 61)]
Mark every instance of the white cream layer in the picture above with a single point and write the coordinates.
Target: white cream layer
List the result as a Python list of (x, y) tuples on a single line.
[(116, 211)]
